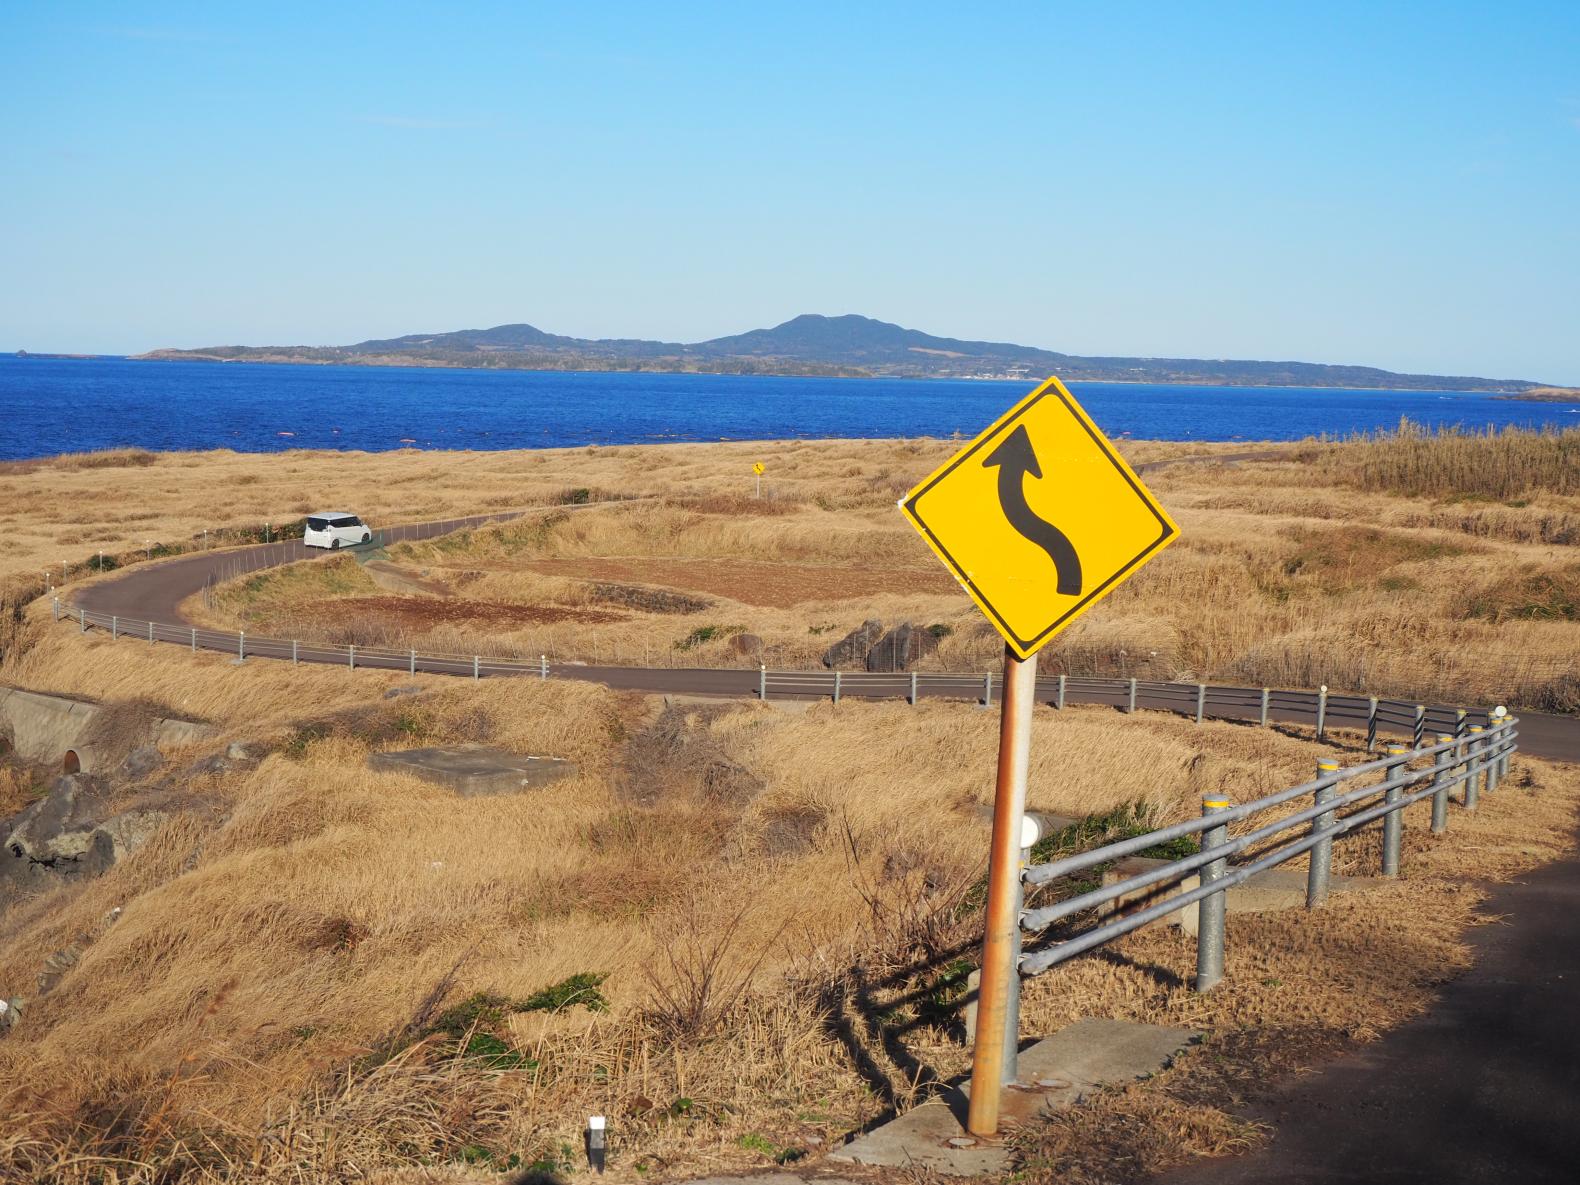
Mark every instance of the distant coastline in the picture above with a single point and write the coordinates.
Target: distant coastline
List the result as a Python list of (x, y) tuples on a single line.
[(1546, 395), (816, 346)]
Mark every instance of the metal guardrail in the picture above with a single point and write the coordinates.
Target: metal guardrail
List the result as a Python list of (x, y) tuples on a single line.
[(1473, 762), (1201, 701)]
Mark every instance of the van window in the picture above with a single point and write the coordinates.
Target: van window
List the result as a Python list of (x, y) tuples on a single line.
[(350, 520), (317, 524)]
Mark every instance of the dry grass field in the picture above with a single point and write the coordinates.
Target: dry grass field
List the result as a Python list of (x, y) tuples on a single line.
[(1345, 564), (740, 930)]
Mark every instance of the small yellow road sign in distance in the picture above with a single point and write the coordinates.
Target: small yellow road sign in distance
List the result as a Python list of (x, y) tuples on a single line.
[(1039, 518), (758, 469)]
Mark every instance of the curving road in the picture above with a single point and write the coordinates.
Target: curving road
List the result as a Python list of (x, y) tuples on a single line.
[(145, 603)]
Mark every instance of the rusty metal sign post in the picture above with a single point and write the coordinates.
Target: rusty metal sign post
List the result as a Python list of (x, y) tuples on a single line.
[(1039, 518)]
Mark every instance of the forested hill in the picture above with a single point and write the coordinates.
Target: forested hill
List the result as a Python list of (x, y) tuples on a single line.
[(818, 345)]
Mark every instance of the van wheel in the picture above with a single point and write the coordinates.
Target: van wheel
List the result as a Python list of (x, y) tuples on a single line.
[(334, 545), (366, 536)]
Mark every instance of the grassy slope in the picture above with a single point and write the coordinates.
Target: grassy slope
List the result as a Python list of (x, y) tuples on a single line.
[(238, 1015)]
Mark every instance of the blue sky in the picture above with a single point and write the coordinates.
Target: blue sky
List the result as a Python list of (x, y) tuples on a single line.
[(1392, 184)]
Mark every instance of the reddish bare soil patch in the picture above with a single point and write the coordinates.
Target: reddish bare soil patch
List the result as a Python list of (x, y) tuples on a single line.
[(424, 612), (775, 586)]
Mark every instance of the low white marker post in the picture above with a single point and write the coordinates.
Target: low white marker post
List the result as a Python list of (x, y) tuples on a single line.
[(597, 1148)]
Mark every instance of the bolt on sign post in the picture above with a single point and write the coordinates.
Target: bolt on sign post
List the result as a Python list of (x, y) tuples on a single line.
[(758, 469), (1039, 518)]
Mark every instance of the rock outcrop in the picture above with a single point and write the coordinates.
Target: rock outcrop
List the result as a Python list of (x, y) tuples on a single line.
[(901, 648), (69, 834), (851, 650)]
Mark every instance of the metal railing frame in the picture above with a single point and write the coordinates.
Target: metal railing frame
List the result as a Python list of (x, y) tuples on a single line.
[(1198, 700), (1455, 762)]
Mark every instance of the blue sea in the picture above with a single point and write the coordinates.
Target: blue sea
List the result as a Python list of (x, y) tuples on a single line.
[(50, 405)]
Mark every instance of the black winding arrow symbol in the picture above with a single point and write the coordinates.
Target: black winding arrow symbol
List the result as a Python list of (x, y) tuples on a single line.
[(1016, 459)]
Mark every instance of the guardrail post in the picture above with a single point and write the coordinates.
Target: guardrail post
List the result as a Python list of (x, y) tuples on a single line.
[(762, 681), (1440, 798), (1209, 932), (1371, 723), (1473, 768), (351, 655), (1322, 711), (82, 621), (412, 665), (1393, 821), (1459, 723), (1059, 701), (293, 652), (55, 601), (1201, 701), (1418, 734), (913, 689), (836, 687), (150, 633), (1462, 769), (241, 646), (987, 690), (1322, 852), (1266, 697), (194, 639), (115, 627), (1130, 706), (477, 668), (1028, 831), (543, 666)]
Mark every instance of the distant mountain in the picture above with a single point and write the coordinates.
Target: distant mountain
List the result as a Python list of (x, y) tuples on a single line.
[(817, 345)]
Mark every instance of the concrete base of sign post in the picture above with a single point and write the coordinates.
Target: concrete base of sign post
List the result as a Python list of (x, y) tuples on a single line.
[(1055, 1073), (1275, 889), (473, 770)]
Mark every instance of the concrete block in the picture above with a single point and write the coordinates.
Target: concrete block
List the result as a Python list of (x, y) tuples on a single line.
[(473, 770), (1053, 1074), (1139, 899), (1274, 889)]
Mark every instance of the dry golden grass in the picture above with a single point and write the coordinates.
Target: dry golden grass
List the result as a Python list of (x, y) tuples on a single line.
[(1285, 576), (779, 897), (65, 509), (267, 943), (1494, 465)]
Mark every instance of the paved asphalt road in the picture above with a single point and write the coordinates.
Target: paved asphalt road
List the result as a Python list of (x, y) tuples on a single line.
[(154, 593), (1482, 1090)]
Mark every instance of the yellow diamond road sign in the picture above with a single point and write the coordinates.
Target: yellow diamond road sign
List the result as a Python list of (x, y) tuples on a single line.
[(1039, 518)]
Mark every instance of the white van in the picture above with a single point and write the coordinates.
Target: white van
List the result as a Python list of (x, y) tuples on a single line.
[(334, 529)]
